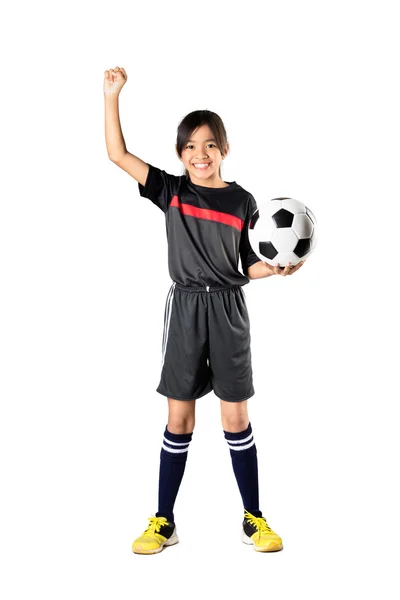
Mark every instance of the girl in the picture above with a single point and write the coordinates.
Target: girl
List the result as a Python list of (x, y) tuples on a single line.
[(206, 338)]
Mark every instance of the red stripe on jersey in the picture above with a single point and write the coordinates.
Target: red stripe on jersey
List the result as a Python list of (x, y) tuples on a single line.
[(206, 213)]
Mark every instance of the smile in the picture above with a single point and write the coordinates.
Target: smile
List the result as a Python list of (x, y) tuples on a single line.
[(201, 165)]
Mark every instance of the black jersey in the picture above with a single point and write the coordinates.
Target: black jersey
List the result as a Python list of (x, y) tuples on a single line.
[(206, 229)]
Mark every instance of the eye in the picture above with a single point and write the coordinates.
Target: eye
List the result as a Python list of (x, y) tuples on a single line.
[(191, 146)]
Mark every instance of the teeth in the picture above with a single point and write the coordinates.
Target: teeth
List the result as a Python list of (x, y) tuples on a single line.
[(201, 166)]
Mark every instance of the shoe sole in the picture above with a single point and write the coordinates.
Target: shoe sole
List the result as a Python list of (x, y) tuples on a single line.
[(272, 546), (139, 549)]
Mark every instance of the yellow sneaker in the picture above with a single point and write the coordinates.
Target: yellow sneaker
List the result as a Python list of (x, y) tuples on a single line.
[(256, 531), (159, 533)]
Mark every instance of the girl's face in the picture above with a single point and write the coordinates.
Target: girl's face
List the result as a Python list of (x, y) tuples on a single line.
[(202, 157)]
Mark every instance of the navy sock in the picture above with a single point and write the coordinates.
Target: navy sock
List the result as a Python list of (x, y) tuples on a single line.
[(172, 467), (244, 461)]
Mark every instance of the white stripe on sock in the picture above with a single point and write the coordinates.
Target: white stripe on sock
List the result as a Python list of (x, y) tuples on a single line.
[(175, 443), (240, 441), (242, 447), (173, 450)]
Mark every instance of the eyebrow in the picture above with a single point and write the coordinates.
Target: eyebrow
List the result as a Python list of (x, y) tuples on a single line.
[(210, 140)]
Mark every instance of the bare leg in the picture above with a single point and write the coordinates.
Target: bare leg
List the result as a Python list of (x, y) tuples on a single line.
[(234, 416), (181, 415)]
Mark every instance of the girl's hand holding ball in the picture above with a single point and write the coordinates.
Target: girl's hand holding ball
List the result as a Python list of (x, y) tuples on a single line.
[(288, 270)]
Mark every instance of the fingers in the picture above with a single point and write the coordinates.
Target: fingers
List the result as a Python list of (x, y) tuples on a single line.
[(120, 71), (297, 267), (115, 73), (282, 270), (288, 269)]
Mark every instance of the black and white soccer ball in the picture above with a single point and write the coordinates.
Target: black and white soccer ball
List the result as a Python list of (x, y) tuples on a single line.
[(282, 231)]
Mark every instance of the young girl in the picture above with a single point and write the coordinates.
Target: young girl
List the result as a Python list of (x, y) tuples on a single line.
[(206, 338)]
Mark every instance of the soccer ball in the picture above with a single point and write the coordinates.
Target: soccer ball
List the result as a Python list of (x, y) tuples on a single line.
[(282, 231)]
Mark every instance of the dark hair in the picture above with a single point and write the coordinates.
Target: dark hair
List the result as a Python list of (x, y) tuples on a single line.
[(196, 119)]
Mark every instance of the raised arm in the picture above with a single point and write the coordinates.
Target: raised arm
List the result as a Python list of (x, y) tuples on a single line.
[(114, 80)]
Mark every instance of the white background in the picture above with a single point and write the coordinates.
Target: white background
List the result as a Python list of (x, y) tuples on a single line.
[(308, 92)]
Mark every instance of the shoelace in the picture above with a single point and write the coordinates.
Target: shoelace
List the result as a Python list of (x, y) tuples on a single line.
[(155, 525), (258, 522)]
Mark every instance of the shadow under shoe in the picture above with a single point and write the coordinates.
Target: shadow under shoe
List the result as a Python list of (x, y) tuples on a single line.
[(158, 534), (255, 531)]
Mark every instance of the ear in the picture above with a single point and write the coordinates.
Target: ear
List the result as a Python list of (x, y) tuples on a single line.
[(226, 150)]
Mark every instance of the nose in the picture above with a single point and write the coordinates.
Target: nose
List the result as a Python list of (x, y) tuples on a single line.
[(202, 155)]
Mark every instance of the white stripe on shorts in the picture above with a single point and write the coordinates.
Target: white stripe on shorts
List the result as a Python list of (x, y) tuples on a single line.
[(168, 311)]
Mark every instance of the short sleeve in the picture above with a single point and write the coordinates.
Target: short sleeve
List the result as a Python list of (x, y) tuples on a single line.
[(247, 256), (160, 187)]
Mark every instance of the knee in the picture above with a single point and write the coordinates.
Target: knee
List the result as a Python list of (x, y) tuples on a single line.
[(181, 416), (235, 424), (234, 416), (180, 424)]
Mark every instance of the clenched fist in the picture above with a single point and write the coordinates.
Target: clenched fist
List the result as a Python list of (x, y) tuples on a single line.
[(114, 80)]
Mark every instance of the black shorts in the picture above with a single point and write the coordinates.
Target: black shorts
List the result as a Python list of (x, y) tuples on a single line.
[(206, 344)]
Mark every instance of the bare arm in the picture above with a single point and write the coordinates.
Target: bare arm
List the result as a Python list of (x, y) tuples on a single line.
[(113, 81), (258, 270)]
